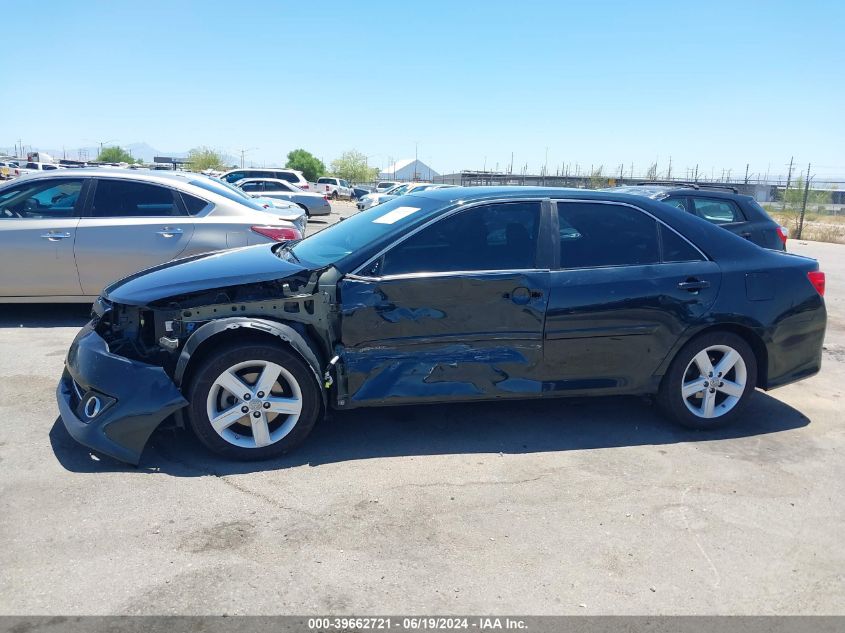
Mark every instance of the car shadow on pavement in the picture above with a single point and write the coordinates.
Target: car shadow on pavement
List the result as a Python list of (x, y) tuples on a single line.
[(486, 427), (45, 315)]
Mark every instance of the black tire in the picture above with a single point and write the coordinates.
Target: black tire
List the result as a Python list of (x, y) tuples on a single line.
[(230, 355), (670, 399), (334, 195)]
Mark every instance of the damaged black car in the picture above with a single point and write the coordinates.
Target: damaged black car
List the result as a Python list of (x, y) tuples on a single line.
[(447, 295)]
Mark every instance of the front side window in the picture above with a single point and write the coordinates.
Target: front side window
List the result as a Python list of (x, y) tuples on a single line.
[(717, 211), (124, 199), (593, 235), (41, 199), (343, 183), (500, 236)]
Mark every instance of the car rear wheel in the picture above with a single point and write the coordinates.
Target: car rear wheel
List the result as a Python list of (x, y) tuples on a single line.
[(709, 382), (253, 402), (334, 195)]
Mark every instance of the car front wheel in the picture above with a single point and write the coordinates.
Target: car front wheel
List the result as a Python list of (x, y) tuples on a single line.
[(253, 402), (710, 381)]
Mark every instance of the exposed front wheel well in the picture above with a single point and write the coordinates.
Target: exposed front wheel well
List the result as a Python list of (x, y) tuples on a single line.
[(244, 335)]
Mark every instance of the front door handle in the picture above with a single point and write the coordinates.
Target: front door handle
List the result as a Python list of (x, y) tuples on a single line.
[(169, 232), (693, 285), (55, 236)]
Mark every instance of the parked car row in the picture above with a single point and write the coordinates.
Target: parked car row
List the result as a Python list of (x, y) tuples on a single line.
[(378, 197)]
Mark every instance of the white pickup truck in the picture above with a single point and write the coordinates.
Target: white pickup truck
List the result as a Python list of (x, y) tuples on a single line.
[(333, 188)]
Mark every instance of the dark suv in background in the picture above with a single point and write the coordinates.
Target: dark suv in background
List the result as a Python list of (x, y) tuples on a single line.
[(722, 205)]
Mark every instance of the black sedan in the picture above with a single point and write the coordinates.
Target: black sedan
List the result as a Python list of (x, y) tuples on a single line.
[(447, 295)]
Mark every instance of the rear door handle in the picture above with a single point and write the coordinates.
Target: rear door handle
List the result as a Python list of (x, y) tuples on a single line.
[(169, 232), (54, 236), (693, 285)]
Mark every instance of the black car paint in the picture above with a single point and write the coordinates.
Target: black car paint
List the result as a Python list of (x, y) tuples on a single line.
[(447, 337)]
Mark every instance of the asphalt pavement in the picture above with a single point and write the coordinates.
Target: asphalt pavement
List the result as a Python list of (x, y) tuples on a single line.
[(562, 507)]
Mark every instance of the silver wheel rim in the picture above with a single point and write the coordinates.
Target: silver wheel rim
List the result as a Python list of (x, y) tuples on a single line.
[(254, 404), (714, 381)]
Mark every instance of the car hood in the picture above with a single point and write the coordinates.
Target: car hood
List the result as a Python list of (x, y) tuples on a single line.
[(209, 271)]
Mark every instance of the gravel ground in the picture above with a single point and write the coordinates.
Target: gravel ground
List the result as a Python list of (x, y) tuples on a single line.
[(564, 507)]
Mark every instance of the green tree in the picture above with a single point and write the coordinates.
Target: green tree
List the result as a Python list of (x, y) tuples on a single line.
[(794, 198), (115, 154), (202, 158), (310, 166), (352, 166)]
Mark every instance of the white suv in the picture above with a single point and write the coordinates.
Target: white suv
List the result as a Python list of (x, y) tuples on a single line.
[(291, 175)]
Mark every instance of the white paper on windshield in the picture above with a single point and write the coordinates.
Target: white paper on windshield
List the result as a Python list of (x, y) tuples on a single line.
[(397, 214)]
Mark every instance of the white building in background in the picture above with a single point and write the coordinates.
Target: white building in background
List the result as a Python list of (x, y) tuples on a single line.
[(408, 170)]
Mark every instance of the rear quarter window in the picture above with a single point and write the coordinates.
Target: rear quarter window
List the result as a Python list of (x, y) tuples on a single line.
[(717, 210)]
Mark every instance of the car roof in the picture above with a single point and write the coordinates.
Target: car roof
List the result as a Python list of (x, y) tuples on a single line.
[(147, 175), (653, 191), (286, 169)]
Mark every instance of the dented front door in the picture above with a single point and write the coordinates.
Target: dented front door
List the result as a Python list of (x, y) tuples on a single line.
[(441, 336)]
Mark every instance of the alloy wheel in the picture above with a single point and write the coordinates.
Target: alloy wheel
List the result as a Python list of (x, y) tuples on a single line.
[(714, 381), (254, 404)]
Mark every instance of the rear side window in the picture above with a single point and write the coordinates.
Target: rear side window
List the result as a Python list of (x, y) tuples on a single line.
[(286, 175), (41, 199), (276, 186), (235, 176), (680, 203), (251, 186), (593, 235), (676, 248), (717, 211), (124, 199), (499, 236), (193, 204)]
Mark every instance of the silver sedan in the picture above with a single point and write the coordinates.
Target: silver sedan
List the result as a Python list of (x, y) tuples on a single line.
[(66, 234), (313, 203)]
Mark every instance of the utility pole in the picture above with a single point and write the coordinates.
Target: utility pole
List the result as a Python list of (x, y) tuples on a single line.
[(804, 203), (746, 173), (669, 173), (695, 179), (545, 165), (788, 180)]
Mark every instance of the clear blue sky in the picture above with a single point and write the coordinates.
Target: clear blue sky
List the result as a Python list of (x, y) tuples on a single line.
[(719, 83)]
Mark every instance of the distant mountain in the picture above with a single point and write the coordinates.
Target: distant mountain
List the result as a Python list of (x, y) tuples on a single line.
[(147, 152)]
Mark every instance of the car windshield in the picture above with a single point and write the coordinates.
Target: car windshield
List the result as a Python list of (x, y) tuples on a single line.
[(398, 190), (354, 233), (223, 188)]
